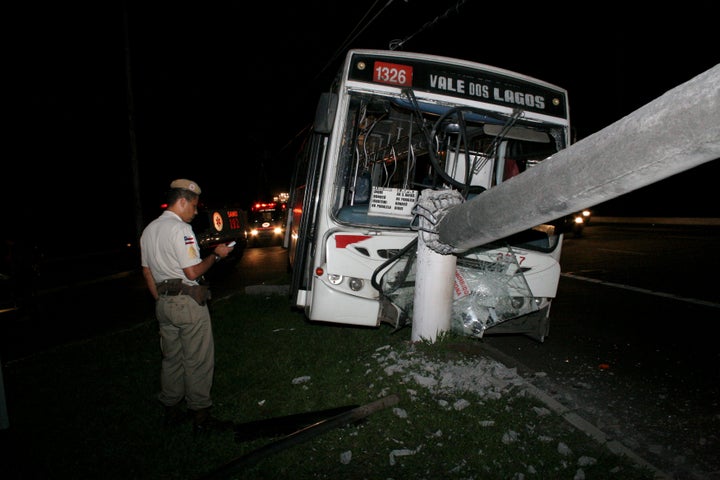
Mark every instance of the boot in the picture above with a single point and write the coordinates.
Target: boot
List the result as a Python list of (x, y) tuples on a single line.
[(204, 422), (174, 415)]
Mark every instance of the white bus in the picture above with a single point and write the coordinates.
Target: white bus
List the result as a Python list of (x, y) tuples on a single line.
[(392, 125)]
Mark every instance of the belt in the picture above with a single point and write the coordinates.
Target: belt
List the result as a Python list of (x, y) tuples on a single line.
[(175, 286)]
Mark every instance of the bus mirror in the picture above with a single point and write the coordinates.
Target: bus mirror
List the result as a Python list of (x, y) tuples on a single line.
[(325, 113)]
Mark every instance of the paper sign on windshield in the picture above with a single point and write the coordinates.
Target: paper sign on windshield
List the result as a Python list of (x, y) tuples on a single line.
[(392, 202)]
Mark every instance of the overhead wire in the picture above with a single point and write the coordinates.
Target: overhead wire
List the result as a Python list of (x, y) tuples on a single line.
[(395, 44), (359, 28), (354, 34)]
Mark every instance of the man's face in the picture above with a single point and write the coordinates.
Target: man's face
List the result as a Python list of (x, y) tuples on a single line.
[(188, 209)]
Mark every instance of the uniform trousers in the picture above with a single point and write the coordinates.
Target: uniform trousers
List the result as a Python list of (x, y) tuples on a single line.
[(188, 351)]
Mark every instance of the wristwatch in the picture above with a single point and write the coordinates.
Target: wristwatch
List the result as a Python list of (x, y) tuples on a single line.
[(217, 257)]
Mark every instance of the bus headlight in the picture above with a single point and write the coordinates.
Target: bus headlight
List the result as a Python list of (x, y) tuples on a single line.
[(355, 284), (334, 278)]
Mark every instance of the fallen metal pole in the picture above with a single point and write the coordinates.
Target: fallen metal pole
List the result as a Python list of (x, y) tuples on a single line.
[(277, 426), (302, 435)]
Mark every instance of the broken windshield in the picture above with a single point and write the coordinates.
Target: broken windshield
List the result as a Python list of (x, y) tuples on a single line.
[(393, 148)]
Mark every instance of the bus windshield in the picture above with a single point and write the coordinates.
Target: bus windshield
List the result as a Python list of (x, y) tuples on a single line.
[(397, 147)]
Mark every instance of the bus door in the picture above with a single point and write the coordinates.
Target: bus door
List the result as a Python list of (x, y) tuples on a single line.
[(304, 201)]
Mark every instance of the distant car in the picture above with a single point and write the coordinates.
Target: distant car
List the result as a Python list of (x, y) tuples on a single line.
[(266, 223), (575, 223), (586, 215)]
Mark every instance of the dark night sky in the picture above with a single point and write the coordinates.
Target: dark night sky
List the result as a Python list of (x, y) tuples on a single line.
[(220, 90)]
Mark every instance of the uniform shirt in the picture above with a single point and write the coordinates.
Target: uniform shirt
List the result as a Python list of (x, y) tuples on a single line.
[(168, 245)]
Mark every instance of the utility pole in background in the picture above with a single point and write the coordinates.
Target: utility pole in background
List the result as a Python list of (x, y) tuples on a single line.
[(131, 130), (4, 419)]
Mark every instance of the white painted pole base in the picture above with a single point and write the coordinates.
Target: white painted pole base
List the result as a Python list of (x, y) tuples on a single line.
[(434, 281)]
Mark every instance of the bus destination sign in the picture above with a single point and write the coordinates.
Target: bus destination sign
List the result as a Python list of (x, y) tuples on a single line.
[(460, 81)]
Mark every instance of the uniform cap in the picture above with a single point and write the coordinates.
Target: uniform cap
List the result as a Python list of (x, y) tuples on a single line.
[(186, 185)]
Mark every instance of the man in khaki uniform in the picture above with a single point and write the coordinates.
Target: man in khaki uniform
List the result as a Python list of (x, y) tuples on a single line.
[(172, 267)]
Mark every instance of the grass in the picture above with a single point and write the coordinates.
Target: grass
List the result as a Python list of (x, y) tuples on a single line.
[(89, 410)]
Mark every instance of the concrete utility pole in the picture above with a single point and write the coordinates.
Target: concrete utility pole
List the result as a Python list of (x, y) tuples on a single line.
[(676, 132), (433, 298)]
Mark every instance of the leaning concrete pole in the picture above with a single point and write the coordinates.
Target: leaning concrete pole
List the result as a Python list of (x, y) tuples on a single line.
[(675, 132)]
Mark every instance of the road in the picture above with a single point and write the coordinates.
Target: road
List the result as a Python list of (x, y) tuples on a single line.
[(631, 348), (83, 296)]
